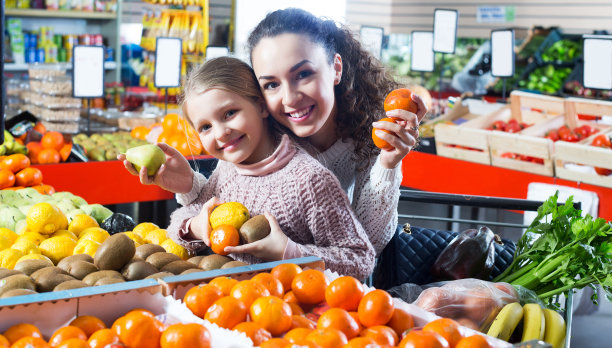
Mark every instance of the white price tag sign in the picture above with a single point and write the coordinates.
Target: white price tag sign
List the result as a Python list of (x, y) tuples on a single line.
[(421, 51), (168, 52), (598, 61), (445, 30), (502, 53), (88, 71), (372, 39), (216, 52)]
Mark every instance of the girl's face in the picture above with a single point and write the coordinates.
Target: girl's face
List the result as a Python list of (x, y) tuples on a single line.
[(231, 127), (298, 84)]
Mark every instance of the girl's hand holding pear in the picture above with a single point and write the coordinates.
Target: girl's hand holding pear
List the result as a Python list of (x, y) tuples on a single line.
[(397, 133), (159, 164)]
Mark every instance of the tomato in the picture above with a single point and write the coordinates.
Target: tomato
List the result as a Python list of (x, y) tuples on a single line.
[(563, 131), (508, 155), (513, 128), (585, 130), (553, 135), (571, 137), (601, 140), (603, 171), (499, 125)]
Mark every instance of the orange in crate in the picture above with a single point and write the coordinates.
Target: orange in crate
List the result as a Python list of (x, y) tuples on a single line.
[(49, 156), (15, 162), (140, 132), (7, 178), (52, 140), (34, 147), (28, 177)]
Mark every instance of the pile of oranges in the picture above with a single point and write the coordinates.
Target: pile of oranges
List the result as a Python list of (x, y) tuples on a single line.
[(290, 306), (52, 148), (16, 173), (176, 132)]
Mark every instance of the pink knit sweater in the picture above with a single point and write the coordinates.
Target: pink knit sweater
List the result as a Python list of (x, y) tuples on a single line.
[(306, 199)]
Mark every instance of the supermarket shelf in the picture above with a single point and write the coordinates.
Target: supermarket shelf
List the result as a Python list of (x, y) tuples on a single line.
[(24, 67), (433, 173), (58, 14)]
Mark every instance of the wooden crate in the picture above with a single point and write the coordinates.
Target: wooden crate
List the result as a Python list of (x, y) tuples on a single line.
[(544, 113), (574, 161), (467, 141)]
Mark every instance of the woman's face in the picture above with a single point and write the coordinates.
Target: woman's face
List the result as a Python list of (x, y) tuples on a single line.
[(298, 82), (231, 127)]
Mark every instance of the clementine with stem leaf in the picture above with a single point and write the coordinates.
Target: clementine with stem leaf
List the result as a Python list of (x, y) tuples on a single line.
[(223, 236)]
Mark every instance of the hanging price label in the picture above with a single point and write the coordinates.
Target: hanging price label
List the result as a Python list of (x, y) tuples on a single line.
[(502, 53), (372, 39), (445, 30), (88, 71), (421, 51), (168, 53), (598, 61), (216, 52)]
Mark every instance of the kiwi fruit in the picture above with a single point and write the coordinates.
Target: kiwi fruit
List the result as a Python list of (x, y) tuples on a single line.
[(116, 251), (108, 281), (191, 270), (30, 266), (195, 260), (147, 250), (16, 281), (213, 261), (160, 259), (159, 275), (5, 272), (67, 261), (138, 270), (46, 271), (233, 264), (92, 278), (80, 269), (48, 282), (18, 292), (70, 284), (254, 229), (178, 267)]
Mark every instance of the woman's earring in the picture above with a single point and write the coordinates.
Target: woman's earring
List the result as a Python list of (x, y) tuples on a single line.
[(337, 80)]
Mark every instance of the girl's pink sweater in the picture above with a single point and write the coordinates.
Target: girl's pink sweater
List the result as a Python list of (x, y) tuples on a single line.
[(306, 199)]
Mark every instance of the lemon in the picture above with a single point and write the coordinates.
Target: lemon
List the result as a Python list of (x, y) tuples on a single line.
[(156, 236), (80, 222), (10, 235), (26, 246), (171, 247), (5, 242), (144, 227), (46, 218), (94, 233), (65, 233), (136, 238), (9, 257), (35, 237), (86, 246), (56, 248), (33, 257), (230, 213)]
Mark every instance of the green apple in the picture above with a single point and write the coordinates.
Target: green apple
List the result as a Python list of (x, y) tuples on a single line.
[(9, 196), (96, 211), (65, 205), (149, 156), (78, 201), (9, 217)]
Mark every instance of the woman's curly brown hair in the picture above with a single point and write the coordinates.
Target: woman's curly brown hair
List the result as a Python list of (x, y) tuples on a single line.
[(365, 82)]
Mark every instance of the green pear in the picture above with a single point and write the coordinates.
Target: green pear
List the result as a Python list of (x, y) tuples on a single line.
[(28, 192), (96, 211), (24, 208), (9, 196), (149, 156), (78, 201), (9, 217), (65, 205), (61, 195)]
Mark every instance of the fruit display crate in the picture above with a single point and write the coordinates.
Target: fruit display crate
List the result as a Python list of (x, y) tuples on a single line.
[(539, 111)]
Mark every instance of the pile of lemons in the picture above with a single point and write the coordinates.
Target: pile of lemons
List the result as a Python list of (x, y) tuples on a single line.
[(47, 234)]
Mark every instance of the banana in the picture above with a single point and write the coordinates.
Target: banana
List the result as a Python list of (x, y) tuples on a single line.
[(534, 323), (506, 321), (555, 328)]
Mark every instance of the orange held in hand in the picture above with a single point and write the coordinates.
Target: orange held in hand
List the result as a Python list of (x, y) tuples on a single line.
[(400, 98), (381, 144), (222, 236)]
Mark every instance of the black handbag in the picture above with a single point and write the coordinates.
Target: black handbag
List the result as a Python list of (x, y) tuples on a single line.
[(411, 252)]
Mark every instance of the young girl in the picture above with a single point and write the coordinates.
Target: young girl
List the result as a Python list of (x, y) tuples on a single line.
[(308, 211)]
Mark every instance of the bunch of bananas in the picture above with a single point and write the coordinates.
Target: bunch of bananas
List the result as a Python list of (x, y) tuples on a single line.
[(538, 324), (10, 146)]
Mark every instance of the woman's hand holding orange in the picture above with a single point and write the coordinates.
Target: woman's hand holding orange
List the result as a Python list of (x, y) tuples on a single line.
[(407, 110), (271, 247), (175, 175)]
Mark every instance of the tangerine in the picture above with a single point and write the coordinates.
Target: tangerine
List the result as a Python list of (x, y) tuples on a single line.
[(362, 342), (138, 329), (101, 338), (199, 298), (338, 318), (48, 156), (44, 189), (381, 144), (375, 308), (34, 147), (40, 128), (7, 178), (474, 341), (420, 338), (381, 334), (295, 308), (4, 343), (185, 335), (140, 132), (344, 292), (248, 291), (401, 321), (355, 316), (302, 321), (309, 286), (275, 343), (327, 338), (223, 236), (52, 140), (400, 98), (88, 323), (15, 162), (65, 151), (170, 123), (18, 331), (254, 331), (445, 327), (28, 177), (289, 297), (225, 284), (274, 286), (227, 312), (285, 272), (30, 342), (297, 335), (64, 333), (272, 313), (73, 343)]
